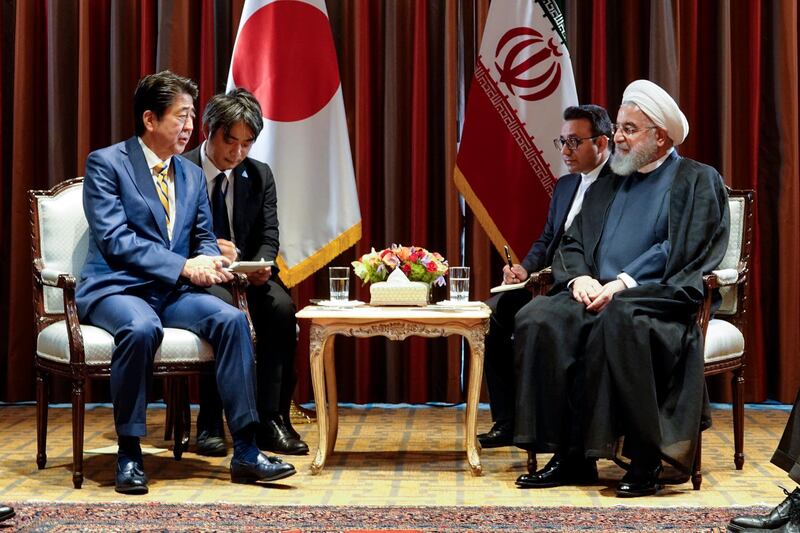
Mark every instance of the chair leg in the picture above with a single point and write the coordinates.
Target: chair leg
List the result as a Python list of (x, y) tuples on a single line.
[(42, 405), (186, 411), (176, 398), (697, 476), (738, 417), (168, 423), (78, 413), (532, 462)]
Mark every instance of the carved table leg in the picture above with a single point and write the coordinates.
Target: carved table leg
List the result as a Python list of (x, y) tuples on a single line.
[(475, 338), (330, 386), (317, 347)]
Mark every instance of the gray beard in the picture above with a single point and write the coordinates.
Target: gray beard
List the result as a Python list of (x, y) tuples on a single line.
[(625, 165)]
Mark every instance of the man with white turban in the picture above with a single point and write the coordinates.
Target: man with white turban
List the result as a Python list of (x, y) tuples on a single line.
[(613, 354)]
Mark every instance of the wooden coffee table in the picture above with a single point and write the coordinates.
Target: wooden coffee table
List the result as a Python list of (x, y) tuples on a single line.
[(395, 323)]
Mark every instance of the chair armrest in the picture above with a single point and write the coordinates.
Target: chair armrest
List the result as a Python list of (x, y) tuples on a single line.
[(726, 276), (718, 278), (541, 281)]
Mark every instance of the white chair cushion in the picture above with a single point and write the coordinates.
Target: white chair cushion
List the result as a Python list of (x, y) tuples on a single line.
[(182, 346), (723, 341)]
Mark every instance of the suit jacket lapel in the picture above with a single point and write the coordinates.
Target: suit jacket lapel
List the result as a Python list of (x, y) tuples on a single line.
[(181, 197), (136, 166)]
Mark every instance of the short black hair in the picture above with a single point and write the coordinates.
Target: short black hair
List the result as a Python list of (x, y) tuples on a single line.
[(156, 92), (225, 110), (596, 115)]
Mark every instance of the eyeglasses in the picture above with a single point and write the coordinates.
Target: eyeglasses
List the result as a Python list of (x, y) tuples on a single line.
[(572, 142), (629, 130)]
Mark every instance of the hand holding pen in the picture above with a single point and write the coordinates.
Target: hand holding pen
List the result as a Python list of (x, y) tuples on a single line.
[(512, 273)]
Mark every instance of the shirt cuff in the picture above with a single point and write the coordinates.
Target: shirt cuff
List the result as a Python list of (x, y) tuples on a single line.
[(627, 280)]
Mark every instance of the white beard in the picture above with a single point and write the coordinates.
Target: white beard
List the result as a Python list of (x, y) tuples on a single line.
[(636, 158)]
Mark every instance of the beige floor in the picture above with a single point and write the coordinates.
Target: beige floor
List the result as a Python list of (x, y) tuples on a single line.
[(401, 456)]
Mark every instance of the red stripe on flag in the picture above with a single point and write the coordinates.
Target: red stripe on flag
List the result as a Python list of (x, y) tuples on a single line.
[(499, 184)]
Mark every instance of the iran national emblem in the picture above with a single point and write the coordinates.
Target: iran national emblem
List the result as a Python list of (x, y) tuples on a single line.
[(529, 63)]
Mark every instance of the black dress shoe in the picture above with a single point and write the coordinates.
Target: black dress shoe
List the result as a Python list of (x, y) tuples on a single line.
[(641, 480), (263, 469), (501, 434), (287, 423), (6, 512), (130, 478), (211, 443), (559, 471), (273, 436), (778, 517)]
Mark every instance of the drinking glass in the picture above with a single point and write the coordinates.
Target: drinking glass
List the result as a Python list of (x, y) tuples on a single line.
[(459, 284), (340, 283)]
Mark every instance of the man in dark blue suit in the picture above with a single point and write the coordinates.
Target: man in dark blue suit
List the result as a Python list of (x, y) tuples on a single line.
[(152, 248), (245, 210), (584, 146)]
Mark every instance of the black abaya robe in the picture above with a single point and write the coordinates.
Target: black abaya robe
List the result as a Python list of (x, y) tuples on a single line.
[(635, 369)]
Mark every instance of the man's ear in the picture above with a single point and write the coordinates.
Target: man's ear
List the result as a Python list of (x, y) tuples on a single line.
[(662, 138), (204, 129), (149, 118), (602, 143)]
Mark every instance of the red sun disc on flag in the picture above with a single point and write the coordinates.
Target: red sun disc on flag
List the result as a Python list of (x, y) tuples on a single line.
[(285, 56)]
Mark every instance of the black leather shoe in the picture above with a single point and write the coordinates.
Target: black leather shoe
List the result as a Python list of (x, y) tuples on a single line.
[(130, 478), (641, 480), (6, 512), (501, 434), (287, 423), (211, 443), (778, 517), (273, 436), (263, 469), (561, 471)]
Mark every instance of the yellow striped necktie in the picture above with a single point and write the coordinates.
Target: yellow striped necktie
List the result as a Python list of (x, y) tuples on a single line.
[(161, 170)]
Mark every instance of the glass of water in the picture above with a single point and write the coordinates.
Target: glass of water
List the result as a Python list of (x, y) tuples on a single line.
[(459, 284), (340, 283)]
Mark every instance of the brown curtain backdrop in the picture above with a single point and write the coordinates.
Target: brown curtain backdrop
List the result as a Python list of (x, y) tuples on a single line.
[(68, 70)]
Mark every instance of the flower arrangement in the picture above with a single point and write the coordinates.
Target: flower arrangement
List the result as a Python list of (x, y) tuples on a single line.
[(418, 264)]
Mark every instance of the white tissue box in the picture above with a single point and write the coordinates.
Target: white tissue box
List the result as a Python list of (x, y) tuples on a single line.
[(411, 293)]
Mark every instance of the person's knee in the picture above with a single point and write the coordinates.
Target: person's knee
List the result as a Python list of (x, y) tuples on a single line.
[(232, 317), (617, 314), (144, 331)]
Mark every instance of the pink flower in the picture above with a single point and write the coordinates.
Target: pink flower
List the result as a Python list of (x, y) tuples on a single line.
[(431, 267)]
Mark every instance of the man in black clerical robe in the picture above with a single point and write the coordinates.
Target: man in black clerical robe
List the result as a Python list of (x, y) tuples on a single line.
[(614, 351)]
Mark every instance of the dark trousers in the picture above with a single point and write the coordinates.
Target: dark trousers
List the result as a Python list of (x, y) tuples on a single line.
[(272, 311), (787, 456), (499, 353), (137, 322)]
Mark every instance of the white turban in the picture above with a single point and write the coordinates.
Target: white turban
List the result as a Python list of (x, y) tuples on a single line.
[(657, 104)]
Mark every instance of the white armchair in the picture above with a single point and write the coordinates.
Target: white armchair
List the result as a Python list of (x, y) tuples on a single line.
[(78, 352), (724, 348)]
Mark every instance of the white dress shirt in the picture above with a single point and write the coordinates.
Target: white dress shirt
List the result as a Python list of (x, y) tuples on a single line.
[(212, 172), (577, 201)]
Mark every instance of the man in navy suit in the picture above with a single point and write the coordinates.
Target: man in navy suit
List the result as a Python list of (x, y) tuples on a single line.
[(152, 249), (245, 211), (584, 146)]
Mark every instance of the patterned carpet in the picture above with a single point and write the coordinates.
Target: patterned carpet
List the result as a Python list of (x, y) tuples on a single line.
[(152, 517), (392, 469)]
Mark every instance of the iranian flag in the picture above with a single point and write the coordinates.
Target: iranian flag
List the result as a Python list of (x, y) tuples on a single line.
[(507, 165), (284, 54)]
